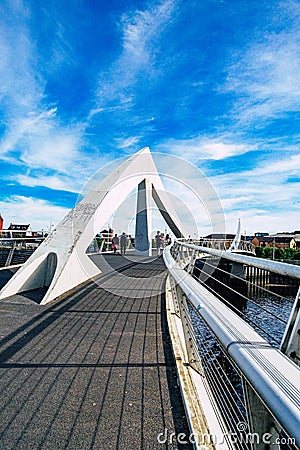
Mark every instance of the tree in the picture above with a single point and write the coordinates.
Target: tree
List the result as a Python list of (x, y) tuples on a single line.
[(296, 255), (280, 253), (289, 253), (260, 252), (268, 252)]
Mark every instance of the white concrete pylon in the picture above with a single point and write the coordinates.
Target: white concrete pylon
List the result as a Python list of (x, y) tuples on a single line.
[(60, 262), (237, 239)]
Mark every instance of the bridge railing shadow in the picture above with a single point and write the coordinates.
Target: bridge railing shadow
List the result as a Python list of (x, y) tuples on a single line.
[(92, 368)]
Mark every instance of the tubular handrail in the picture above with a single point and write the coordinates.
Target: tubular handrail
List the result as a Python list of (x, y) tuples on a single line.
[(220, 244), (272, 375), (266, 264)]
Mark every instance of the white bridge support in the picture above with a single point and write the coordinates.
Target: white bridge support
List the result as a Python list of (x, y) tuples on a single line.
[(236, 241), (147, 192), (60, 262)]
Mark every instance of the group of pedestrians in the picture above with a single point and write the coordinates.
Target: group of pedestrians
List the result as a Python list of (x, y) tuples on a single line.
[(121, 241), (161, 241)]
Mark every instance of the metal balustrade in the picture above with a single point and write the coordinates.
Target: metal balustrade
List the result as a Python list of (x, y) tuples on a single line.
[(253, 382), (220, 244)]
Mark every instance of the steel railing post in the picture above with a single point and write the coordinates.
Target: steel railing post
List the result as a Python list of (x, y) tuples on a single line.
[(193, 357)]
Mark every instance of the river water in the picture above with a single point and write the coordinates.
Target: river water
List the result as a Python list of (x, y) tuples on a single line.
[(268, 314)]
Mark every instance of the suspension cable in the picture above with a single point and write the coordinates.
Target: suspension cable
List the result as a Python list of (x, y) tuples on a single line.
[(247, 281), (240, 313), (242, 295)]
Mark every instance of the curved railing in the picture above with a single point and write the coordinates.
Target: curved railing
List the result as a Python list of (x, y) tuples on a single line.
[(221, 244), (270, 379)]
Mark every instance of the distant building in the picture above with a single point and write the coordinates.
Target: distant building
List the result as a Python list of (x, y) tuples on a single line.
[(19, 230), (285, 242), (274, 241), (293, 234), (220, 236), (227, 238)]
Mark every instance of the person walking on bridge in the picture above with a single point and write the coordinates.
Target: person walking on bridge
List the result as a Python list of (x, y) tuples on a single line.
[(123, 242), (168, 240), (158, 242), (115, 243)]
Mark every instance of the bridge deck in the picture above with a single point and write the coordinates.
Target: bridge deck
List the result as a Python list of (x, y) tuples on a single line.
[(93, 370)]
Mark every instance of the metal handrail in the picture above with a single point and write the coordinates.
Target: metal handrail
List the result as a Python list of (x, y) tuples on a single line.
[(220, 244), (272, 375), (266, 264)]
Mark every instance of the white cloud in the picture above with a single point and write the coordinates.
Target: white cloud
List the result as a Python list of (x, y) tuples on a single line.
[(42, 142), (127, 142), (255, 220), (38, 213), (263, 197), (266, 77), (34, 133), (61, 183), (78, 176), (20, 88), (94, 112), (140, 32), (202, 147), (57, 150), (282, 167), (219, 150)]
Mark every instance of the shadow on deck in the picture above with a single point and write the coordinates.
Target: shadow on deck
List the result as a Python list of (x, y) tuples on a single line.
[(94, 370)]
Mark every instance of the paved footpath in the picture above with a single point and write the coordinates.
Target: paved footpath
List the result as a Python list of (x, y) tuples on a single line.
[(94, 370)]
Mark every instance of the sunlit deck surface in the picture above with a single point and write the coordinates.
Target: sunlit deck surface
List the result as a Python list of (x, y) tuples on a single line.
[(93, 370)]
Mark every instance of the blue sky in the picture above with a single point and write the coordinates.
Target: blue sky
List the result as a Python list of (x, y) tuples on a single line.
[(216, 82)]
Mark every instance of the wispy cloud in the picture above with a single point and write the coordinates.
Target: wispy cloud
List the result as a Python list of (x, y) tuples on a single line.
[(141, 29), (262, 220), (41, 142), (55, 182), (33, 133), (127, 142), (206, 147), (21, 87), (262, 195), (266, 77), (21, 209), (140, 32)]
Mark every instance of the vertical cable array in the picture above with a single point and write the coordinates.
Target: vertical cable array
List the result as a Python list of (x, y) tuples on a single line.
[(261, 297)]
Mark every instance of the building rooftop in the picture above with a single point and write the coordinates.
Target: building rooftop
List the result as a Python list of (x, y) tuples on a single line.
[(18, 227)]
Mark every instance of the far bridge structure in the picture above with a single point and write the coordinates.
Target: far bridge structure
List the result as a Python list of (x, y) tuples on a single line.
[(199, 348)]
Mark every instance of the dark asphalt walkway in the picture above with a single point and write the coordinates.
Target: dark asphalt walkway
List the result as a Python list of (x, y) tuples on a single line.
[(92, 371)]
